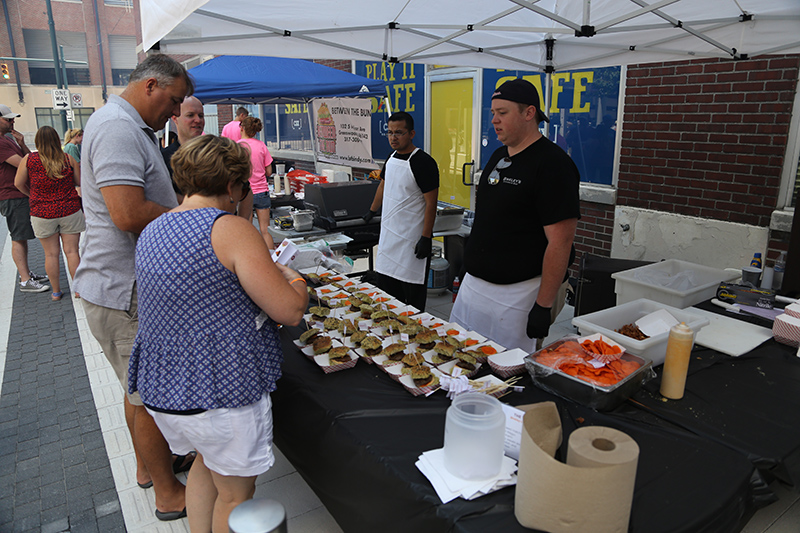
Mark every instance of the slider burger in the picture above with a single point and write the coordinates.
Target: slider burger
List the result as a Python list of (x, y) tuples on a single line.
[(391, 325), (426, 339), (319, 313), (405, 319), (394, 351), (366, 311), (331, 323), (308, 336), (364, 297), (413, 359), (452, 341), (339, 355), (465, 362), (422, 376), (358, 336), (321, 345), (410, 329), (346, 327), (380, 316), (372, 346), (355, 304), (444, 351), (313, 277)]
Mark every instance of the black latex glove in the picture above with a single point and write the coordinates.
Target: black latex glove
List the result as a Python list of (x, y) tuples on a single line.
[(423, 248), (370, 214), (538, 322)]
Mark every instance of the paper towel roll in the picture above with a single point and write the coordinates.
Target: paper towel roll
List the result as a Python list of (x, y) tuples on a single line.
[(592, 493)]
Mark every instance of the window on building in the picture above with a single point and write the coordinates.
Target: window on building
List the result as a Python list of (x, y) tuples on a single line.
[(46, 116), (122, 52), (38, 46), (119, 3)]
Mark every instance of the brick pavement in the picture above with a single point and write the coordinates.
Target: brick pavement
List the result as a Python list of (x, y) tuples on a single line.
[(55, 474)]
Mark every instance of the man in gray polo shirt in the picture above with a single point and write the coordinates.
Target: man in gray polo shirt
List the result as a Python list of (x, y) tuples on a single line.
[(125, 185)]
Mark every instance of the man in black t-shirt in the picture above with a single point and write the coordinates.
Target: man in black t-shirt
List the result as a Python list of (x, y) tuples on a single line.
[(526, 213), (407, 195), (190, 124)]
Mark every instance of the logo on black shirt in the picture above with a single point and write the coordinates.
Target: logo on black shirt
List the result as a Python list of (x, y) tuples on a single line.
[(511, 181)]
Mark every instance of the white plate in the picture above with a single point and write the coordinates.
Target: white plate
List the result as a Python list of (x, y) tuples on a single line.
[(514, 357)]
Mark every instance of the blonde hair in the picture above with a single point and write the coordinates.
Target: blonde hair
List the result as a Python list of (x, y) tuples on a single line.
[(71, 134), (50, 152), (206, 165)]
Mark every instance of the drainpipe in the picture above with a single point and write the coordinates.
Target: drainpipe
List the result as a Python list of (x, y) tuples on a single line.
[(99, 50), (13, 54)]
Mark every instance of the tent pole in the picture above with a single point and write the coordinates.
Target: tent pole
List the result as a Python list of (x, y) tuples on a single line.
[(311, 127), (547, 95)]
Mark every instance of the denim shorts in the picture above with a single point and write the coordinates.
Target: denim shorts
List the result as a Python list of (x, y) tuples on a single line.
[(262, 201)]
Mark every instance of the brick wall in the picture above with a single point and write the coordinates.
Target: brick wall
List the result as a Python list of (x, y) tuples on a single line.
[(593, 235), (72, 17), (707, 138), (339, 64), (224, 115)]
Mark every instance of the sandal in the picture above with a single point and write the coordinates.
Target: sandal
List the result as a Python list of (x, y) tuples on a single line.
[(182, 463), (56, 296)]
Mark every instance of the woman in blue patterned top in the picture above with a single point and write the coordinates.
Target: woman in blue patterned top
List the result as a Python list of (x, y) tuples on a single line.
[(207, 353)]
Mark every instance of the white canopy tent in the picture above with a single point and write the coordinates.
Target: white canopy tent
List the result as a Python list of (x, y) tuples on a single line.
[(543, 35)]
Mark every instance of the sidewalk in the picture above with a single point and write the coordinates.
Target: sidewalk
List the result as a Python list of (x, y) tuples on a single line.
[(66, 462)]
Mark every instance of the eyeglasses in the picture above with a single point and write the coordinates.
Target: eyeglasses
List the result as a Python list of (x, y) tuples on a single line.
[(395, 133), (494, 175), (245, 189)]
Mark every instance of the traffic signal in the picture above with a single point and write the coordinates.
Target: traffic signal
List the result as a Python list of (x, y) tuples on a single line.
[(4, 69)]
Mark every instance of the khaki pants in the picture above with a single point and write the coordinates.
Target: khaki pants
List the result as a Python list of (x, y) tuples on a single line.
[(115, 330)]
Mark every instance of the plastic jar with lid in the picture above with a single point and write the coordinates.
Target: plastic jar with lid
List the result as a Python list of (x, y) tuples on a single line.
[(474, 433)]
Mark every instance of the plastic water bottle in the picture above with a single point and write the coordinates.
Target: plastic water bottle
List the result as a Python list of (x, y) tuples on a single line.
[(780, 267), (756, 262), (456, 285)]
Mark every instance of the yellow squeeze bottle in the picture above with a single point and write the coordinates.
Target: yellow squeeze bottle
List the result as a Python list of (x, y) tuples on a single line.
[(676, 364)]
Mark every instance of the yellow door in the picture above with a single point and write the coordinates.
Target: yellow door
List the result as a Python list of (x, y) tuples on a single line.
[(451, 136)]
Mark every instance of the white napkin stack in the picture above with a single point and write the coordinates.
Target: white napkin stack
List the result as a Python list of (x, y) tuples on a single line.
[(450, 487)]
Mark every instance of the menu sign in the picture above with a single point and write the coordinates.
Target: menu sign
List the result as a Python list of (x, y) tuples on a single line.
[(342, 131)]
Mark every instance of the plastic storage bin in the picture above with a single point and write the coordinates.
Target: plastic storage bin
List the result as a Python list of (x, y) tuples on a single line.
[(697, 283), (577, 390), (654, 348)]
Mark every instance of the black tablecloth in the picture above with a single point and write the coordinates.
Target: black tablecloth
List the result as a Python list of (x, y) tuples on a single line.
[(355, 435)]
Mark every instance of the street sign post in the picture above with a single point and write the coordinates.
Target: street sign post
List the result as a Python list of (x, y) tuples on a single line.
[(61, 99)]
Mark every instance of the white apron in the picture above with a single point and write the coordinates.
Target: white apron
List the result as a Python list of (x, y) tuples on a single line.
[(402, 217), (498, 312)]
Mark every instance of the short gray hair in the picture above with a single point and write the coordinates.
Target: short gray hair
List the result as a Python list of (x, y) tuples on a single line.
[(164, 69)]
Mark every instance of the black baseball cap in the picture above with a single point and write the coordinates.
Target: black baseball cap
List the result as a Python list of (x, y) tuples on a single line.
[(523, 92)]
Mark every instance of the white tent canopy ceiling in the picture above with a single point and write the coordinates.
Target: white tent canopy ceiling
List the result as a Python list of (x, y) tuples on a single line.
[(545, 35)]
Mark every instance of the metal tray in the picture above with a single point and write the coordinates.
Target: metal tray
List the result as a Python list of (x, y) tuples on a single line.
[(582, 392)]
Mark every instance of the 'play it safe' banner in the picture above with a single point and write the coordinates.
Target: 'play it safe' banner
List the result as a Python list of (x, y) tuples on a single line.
[(343, 131)]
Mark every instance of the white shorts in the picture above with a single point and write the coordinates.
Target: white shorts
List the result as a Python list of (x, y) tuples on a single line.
[(233, 442)]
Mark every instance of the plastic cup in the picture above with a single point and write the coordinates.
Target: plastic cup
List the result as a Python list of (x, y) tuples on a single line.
[(751, 276)]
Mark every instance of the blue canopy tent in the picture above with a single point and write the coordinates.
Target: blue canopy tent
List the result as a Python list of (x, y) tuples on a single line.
[(275, 80)]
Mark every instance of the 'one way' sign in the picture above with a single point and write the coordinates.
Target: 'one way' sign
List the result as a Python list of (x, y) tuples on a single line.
[(61, 99)]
